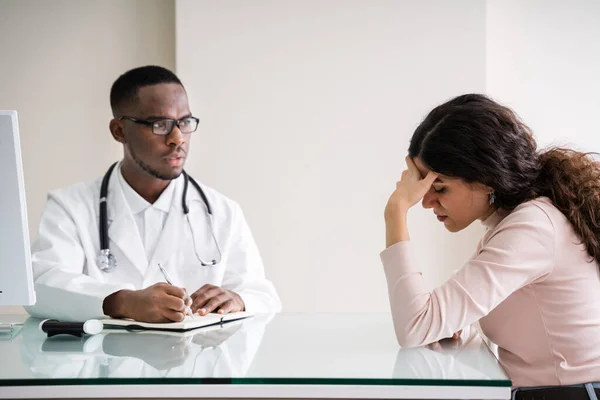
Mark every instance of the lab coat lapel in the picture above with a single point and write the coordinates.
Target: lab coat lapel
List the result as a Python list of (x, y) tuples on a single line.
[(123, 231), (172, 236)]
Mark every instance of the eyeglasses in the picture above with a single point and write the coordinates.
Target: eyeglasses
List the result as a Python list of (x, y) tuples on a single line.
[(165, 126)]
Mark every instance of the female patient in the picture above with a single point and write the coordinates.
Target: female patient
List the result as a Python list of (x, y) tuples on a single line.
[(534, 281)]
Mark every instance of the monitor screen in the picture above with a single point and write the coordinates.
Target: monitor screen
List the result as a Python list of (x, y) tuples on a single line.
[(16, 281)]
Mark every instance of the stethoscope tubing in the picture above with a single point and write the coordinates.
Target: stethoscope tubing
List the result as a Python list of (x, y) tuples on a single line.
[(107, 261)]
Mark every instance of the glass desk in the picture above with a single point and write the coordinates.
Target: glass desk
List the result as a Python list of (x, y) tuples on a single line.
[(323, 355)]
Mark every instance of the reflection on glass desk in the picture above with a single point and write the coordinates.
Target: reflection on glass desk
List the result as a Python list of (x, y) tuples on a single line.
[(322, 355)]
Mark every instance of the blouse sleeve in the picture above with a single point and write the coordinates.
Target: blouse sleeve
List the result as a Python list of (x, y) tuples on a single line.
[(518, 252)]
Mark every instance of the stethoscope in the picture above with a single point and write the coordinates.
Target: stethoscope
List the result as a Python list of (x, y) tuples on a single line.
[(107, 261)]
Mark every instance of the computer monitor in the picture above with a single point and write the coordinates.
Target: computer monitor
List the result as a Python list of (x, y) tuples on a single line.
[(16, 279)]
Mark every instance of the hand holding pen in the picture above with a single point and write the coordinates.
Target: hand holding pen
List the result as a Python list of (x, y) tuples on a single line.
[(159, 303), (170, 282)]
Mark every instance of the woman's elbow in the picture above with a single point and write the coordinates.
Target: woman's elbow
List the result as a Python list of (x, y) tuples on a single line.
[(406, 338), (408, 343), (412, 333)]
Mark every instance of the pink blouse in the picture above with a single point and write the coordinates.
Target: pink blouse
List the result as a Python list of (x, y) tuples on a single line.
[(531, 285)]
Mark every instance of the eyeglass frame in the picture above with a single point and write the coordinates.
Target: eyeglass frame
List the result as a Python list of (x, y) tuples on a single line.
[(151, 123)]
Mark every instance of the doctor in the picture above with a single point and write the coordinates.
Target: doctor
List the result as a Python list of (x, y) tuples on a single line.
[(100, 250)]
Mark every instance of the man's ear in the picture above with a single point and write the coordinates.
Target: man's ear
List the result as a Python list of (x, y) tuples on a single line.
[(116, 129)]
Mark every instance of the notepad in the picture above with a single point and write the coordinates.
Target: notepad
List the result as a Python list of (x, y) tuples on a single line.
[(187, 324)]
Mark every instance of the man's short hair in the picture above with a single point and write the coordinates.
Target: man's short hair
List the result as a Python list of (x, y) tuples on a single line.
[(125, 89)]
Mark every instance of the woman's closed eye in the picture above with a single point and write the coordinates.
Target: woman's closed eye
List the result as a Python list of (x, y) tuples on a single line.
[(439, 190)]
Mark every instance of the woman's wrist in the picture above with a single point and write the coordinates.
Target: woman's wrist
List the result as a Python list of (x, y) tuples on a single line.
[(396, 228)]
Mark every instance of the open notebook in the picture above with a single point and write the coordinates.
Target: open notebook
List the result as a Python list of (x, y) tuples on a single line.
[(187, 324)]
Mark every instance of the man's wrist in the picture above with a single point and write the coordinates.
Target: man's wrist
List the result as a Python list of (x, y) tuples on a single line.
[(115, 304), (240, 300)]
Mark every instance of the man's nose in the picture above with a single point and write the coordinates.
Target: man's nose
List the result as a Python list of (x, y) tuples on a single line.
[(175, 138)]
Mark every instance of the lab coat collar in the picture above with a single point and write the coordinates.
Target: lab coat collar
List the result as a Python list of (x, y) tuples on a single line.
[(173, 237), (124, 232), (138, 204), (122, 229)]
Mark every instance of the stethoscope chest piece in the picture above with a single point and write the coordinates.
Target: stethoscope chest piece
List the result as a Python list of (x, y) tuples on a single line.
[(106, 261)]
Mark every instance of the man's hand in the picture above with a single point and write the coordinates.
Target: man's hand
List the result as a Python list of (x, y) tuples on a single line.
[(160, 302), (209, 298)]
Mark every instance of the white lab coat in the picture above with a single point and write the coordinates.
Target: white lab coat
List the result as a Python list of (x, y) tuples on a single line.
[(70, 286)]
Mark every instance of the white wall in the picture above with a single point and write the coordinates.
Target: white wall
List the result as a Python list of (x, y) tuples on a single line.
[(306, 110), (543, 59), (58, 61)]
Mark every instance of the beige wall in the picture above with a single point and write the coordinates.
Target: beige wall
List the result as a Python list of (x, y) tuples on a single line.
[(307, 108), (546, 66), (58, 60)]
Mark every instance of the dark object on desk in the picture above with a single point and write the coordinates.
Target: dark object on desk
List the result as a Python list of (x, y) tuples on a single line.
[(576, 392), (54, 327)]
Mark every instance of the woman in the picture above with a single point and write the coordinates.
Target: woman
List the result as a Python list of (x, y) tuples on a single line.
[(534, 281)]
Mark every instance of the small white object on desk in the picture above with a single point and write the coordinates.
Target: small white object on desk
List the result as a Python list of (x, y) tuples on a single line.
[(9, 330), (8, 327)]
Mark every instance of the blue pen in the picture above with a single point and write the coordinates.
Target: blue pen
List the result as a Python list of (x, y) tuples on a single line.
[(170, 282)]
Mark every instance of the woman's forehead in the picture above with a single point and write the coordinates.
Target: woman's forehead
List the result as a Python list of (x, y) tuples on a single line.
[(420, 166), (424, 170)]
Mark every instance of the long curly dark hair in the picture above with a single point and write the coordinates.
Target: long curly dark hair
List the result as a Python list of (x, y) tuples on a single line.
[(478, 140)]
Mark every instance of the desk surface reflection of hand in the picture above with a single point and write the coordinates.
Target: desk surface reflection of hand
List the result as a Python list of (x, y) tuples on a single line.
[(313, 354), (464, 358), (146, 353)]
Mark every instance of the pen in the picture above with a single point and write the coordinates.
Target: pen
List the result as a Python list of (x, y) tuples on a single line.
[(170, 282)]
